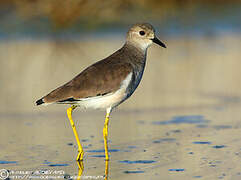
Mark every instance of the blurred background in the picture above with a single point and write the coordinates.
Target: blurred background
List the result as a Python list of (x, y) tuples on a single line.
[(45, 43), (196, 80)]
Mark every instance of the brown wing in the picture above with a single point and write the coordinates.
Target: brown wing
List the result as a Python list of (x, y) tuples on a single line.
[(100, 78)]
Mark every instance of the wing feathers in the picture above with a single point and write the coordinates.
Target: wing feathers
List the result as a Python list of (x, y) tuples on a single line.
[(99, 79)]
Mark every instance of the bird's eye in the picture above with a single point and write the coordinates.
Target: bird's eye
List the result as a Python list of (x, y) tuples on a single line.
[(142, 33)]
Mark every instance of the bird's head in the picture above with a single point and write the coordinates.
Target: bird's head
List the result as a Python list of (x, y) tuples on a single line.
[(143, 35)]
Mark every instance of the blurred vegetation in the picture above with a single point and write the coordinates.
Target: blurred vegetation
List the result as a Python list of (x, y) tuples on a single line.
[(94, 12)]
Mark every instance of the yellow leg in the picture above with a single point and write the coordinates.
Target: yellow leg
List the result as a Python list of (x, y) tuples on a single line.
[(105, 133), (80, 149)]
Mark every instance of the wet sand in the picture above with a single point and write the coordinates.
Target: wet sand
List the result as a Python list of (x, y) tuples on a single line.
[(183, 122)]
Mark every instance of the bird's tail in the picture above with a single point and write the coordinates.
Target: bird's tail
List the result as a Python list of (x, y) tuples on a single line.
[(39, 102)]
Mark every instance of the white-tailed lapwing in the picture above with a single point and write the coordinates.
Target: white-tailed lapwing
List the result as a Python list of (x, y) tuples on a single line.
[(108, 82)]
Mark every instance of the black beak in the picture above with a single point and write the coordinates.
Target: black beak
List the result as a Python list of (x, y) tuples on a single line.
[(157, 41)]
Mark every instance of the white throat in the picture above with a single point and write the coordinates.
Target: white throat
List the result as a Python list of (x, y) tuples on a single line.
[(143, 45)]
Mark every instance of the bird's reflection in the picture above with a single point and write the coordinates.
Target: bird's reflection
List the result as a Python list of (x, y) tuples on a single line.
[(106, 169), (81, 169)]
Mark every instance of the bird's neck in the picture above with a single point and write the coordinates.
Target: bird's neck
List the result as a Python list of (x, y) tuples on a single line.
[(135, 53)]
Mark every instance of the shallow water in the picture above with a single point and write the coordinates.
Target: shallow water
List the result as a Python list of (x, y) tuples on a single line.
[(183, 122)]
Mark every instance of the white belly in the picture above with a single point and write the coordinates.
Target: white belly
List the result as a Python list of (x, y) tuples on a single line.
[(109, 100)]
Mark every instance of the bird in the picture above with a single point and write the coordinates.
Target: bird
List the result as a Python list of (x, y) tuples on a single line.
[(108, 82)]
